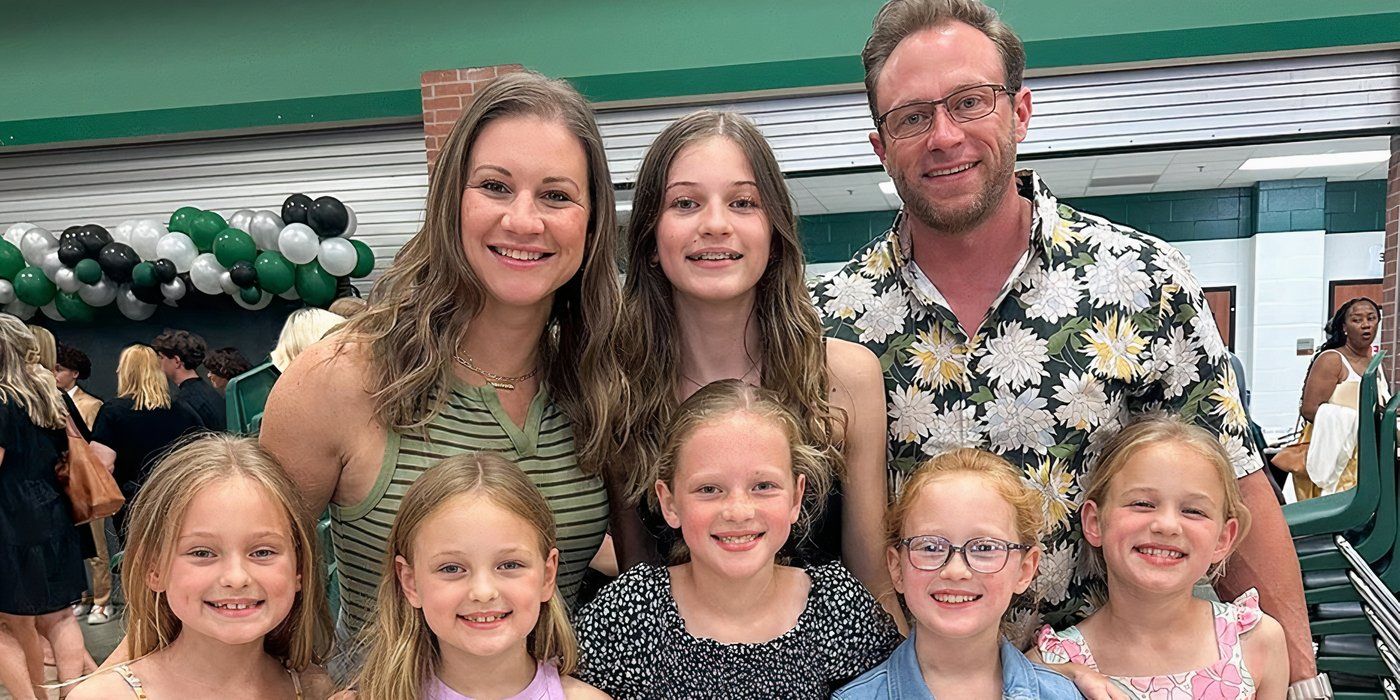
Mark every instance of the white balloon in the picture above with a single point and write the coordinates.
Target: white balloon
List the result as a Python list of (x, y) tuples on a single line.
[(351, 222), (100, 294), (51, 310), (298, 243), (36, 243), (226, 284), (122, 233), (51, 265), (174, 290), (242, 220), (7, 292), (133, 308), (177, 248), (264, 228), (14, 234), (205, 272), (291, 294), (262, 302), (20, 310), (337, 256), (67, 280), (145, 238)]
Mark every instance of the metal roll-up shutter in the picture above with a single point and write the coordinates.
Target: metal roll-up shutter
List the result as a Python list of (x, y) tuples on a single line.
[(1148, 108), (380, 172)]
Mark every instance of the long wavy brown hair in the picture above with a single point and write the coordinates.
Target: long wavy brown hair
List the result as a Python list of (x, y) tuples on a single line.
[(422, 306), (792, 357)]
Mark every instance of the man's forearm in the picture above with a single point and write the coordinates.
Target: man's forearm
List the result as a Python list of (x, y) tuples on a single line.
[(1266, 560)]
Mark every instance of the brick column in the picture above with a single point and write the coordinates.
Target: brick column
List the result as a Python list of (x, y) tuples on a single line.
[(1392, 261), (445, 94)]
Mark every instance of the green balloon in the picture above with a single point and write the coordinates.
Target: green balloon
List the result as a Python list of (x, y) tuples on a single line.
[(144, 275), (314, 284), (73, 308), (182, 218), (33, 288), (250, 295), (276, 274), (89, 271), (364, 260), (204, 227), (11, 261), (233, 245)]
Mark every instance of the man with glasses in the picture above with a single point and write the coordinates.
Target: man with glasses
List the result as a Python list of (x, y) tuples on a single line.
[(1009, 321)]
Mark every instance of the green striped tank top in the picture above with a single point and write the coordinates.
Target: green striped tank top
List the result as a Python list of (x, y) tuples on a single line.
[(472, 420)]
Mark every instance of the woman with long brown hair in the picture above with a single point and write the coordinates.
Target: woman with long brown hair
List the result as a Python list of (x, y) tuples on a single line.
[(490, 331), (715, 290)]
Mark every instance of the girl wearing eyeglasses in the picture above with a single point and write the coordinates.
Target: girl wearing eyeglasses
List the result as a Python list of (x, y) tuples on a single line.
[(962, 541)]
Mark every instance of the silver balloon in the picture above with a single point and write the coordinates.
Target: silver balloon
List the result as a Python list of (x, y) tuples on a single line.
[(67, 280), (51, 265), (51, 310), (20, 310), (35, 244), (177, 248), (337, 256), (133, 308), (226, 284), (100, 294), (7, 292), (290, 294), (351, 222), (264, 228), (122, 233), (174, 290), (298, 243), (205, 272), (145, 238), (262, 302), (15, 233), (242, 220)]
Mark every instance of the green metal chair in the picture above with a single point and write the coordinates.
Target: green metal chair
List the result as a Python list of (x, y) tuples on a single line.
[(246, 395)]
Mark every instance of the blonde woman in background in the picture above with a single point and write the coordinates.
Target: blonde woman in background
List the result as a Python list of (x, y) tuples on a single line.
[(303, 328)]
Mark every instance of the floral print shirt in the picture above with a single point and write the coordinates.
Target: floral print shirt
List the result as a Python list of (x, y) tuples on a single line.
[(1096, 324)]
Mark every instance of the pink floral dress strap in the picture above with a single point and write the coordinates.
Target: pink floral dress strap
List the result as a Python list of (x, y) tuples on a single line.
[(1067, 647)]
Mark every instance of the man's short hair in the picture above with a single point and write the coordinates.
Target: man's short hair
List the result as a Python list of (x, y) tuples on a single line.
[(186, 346), (900, 18), (74, 359), (227, 363)]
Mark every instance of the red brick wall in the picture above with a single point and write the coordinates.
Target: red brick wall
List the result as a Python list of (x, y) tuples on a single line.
[(1392, 262), (445, 94)]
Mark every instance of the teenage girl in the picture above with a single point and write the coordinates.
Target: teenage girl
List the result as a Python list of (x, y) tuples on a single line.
[(1163, 509), (223, 586)]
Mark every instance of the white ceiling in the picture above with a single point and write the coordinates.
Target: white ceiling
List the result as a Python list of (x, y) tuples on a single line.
[(1166, 171)]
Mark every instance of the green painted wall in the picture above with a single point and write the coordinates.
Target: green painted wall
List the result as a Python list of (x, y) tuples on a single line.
[(1355, 206), (70, 59)]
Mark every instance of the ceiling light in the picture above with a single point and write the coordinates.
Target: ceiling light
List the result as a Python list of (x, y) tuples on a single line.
[(1316, 160), (888, 188)]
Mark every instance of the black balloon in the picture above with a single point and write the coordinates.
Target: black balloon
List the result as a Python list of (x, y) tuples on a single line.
[(71, 252), (165, 270), (243, 274), (94, 238), (328, 217), (296, 209), (150, 295), (69, 233), (117, 260)]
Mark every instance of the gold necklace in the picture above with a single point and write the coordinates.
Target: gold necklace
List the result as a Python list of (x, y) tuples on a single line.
[(752, 367), (498, 381)]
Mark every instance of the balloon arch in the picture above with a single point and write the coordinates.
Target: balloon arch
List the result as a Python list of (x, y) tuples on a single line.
[(252, 256)]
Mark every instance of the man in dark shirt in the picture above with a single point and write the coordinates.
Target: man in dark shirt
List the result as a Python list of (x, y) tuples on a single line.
[(181, 353)]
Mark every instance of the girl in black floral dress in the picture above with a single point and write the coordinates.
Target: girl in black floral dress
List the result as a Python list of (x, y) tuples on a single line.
[(729, 621)]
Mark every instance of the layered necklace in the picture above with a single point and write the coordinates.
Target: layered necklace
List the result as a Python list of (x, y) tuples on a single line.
[(499, 381)]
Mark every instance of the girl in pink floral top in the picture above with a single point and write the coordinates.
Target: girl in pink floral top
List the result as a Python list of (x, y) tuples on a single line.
[(1163, 510)]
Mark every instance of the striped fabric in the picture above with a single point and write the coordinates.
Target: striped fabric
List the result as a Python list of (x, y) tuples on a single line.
[(472, 420)]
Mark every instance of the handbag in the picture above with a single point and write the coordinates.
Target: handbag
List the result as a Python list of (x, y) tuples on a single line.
[(1294, 457), (91, 489)]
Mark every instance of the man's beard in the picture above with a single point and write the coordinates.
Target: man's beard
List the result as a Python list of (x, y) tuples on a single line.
[(956, 221)]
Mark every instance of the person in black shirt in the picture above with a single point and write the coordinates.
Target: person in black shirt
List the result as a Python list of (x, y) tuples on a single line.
[(181, 353)]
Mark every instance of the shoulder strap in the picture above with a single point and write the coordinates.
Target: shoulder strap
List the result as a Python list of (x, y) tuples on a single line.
[(296, 682), (124, 671)]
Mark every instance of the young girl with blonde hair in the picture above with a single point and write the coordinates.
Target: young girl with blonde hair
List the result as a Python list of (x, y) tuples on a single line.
[(961, 542), (467, 603), (1162, 510), (729, 620), (223, 583)]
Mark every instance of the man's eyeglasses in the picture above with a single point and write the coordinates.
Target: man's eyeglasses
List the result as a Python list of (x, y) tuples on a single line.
[(985, 555), (964, 105)]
